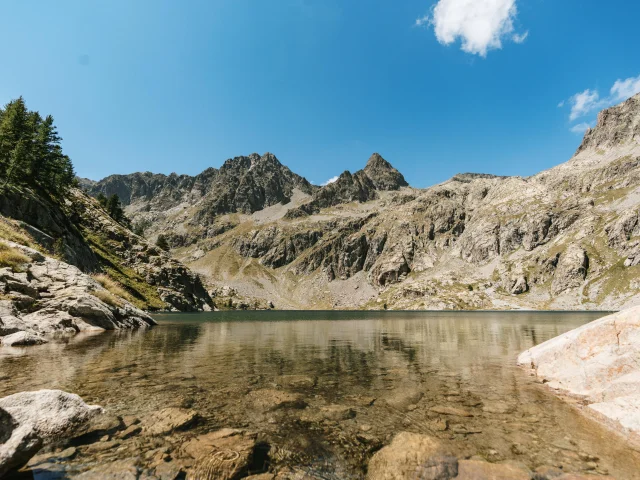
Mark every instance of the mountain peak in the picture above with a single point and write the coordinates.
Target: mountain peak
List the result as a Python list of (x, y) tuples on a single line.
[(616, 125), (383, 175)]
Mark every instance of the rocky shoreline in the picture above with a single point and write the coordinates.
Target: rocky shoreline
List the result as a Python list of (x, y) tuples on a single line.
[(598, 367), (50, 297)]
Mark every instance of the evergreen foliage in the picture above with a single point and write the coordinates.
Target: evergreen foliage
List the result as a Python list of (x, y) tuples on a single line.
[(30, 151), (162, 243), (114, 208)]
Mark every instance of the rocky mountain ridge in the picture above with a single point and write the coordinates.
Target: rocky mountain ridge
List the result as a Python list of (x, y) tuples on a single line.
[(564, 238)]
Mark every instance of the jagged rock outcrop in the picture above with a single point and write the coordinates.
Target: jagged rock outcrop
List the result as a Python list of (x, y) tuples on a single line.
[(615, 126), (242, 184), (362, 186), (49, 225), (383, 175), (81, 233), (571, 270), (28, 420), (50, 296)]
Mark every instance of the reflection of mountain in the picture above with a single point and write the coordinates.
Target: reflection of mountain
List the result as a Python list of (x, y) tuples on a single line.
[(388, 372)]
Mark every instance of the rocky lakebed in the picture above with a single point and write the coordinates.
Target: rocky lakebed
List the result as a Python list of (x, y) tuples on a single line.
[(319, 395)]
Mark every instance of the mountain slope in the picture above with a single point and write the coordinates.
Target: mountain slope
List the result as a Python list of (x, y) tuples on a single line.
[(79, 232), (568, 237)]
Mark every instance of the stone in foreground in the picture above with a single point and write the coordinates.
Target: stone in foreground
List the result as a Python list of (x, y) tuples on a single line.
[(29, 419), (599, 362), (222, 455), (411, 456)]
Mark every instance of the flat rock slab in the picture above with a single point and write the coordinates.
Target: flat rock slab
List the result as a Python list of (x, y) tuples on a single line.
[(125, 469), (479, 470), (624, 410), (444, 410), (221, 455), (600, 362), (268, 400), (167, 420)]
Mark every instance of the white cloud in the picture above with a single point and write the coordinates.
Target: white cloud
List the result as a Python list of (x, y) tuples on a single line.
[(520, 37), (586, 102), (624, 89), (580, 128), (561, 104), (583, 103), (481, 25), (331, 180), (423, 21)]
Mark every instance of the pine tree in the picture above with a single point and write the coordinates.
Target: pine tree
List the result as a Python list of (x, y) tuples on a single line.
[(102, 200), (162, 243), (113, 206), (13, 127), (30, 151)]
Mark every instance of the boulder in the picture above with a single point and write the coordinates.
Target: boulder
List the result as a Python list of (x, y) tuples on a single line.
[(167, 420), (22, 339), (571, 270), (221, 455), (599, 361), (267, 400), (31, 419), (412, 455)]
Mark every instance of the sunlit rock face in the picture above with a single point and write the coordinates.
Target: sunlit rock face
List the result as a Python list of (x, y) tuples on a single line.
[(566, 238), (599, 361)]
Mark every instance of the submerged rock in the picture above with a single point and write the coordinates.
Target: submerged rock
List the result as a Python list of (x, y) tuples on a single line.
[(268, 400), (167, 420), (479, 470), (30, 419), (125, 469), (222, 455), (414, 456), (599, 361)]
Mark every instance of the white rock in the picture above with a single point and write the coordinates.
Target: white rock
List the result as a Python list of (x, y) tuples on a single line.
[(599, 361), (30, 419), (21, 339)]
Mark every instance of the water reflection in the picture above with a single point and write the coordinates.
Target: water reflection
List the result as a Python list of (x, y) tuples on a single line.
[(396, 371)]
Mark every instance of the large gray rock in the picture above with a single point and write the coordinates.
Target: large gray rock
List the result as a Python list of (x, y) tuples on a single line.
[(572, 269), (600, 362), (31, 419)]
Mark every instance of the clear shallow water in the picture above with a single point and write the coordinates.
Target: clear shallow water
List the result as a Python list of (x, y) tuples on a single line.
[(388, 370)]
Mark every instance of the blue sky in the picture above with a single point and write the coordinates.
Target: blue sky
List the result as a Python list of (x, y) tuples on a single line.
[(437, 87)]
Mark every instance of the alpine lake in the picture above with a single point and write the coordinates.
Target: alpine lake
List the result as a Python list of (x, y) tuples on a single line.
[(319, 392)]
